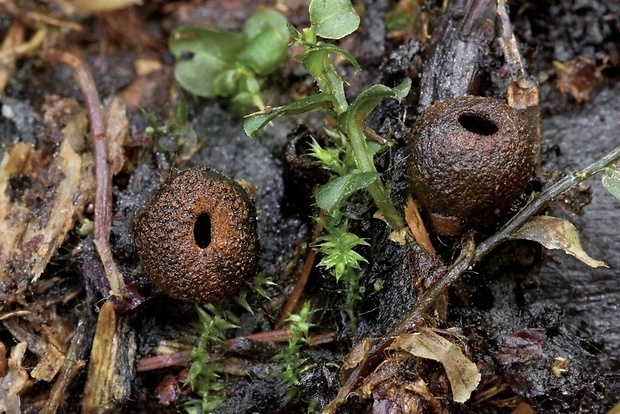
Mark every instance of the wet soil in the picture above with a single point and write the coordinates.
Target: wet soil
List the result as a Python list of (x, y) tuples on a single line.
[(520, 310)]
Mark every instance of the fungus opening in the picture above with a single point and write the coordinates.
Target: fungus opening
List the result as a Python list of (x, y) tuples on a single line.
[(202, 231), (477, 124)]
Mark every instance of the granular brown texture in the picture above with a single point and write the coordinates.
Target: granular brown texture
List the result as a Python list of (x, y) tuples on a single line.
[(470, 159), (196, 237)]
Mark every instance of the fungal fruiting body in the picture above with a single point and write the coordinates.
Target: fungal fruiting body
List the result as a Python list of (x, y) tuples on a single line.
[(469, 159), (196, 237)]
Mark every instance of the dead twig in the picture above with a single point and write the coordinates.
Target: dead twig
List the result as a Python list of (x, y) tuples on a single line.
[(508, 43), (183, 358), (523, 93), (282, 335), (156, 362), (14, 38), (24, 48), (110, 367), (74, 363), (300, 285), (103, 176), (467, 259)]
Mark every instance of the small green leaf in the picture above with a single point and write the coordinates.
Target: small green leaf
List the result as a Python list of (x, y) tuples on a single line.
[(556, 233), (181, 112), (402, 89), (265, 52), (333, 19), (262, 20), (254, 122), (374, 148), (368, 100), (327, 48), (328, 157), (241, 300), (248, 91), (225, 83), (194, 39), (265, 36), (611, 181), (331, 195), (295, 34), (318, 64), (202, 54), (260, 282)]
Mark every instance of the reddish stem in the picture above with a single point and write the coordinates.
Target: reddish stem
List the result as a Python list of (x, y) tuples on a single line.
[(300, 285), (183, 358), (103, 176)]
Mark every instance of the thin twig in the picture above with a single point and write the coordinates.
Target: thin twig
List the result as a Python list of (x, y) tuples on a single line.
[(468, 258), (542, 200), (74, 363), (13, 39), (508, 42), (183, 358), (103, 176), (300, 285), (25, 48), (281, 335), (522, 93)]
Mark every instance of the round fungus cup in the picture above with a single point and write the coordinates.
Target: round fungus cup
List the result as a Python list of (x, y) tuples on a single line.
[(470, 158), (196, 237)]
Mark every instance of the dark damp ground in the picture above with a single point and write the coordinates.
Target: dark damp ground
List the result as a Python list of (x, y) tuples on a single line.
[(520, 310)]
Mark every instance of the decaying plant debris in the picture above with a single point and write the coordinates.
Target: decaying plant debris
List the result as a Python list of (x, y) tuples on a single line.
[(90, 126)]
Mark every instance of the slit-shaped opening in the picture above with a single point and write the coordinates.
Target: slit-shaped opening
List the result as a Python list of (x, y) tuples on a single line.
[(477, 124), (202, 231)]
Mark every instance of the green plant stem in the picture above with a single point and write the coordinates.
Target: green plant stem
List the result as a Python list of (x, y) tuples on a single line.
[(502, 235), (543, 199), (377, 190)]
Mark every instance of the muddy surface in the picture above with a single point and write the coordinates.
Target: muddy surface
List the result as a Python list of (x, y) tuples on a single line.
[(587, 296), (518, 313)]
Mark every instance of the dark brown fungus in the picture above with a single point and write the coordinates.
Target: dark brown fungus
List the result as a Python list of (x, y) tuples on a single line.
[(196, 237), (470, 159)]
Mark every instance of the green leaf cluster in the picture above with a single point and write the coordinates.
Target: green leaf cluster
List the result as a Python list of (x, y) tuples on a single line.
[(175, 134), (291, 361), (337, 245), (214, 63), (202, 376), (334, 20), (350, 155)]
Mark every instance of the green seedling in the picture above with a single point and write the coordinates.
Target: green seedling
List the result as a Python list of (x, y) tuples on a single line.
[(291, 361), (337, 245), (177, 136), (213, 63), (351, 155), (317, 61), (202, 377)]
